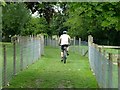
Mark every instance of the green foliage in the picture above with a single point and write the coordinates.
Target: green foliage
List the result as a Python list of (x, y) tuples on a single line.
[(81, 18), (58, 19), (45, 9), (95, 18), (57, 23), (15, 17), (2, 3), (35, 26)]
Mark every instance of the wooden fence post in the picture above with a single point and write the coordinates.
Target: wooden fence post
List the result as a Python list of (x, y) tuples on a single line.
[(50, 43), (90, 40), (110, 76), (45, 40), (118, 71), (21, 58), (56, 42), (104, 70), (40, 47), (91, 60), (79, 50), (74, 44), (14, 56), (100, 67), (4, 66)]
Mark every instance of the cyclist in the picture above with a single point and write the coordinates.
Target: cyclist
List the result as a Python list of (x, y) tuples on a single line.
[(64, 40)]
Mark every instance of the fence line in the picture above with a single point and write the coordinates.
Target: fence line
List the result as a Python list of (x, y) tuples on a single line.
[(77, 46), (24, 51), (1, 64), (102, 64)]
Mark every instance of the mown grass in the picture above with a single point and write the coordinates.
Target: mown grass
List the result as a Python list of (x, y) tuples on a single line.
[(113, 51), (50, 72), (108, 50), (9, 59)]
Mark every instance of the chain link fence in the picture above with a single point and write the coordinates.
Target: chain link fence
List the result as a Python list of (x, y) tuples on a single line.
[(105, 66), (0, 46), (51, 41), (1, 66), (77, 46), (18, 55)]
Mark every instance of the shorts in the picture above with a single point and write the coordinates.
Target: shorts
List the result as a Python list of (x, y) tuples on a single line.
[(62, 47)]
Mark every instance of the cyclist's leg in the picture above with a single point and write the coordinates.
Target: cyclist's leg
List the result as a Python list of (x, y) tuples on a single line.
[(67, 50), (61, 54)]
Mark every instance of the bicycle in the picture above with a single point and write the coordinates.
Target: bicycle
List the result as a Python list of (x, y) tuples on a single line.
[(65, 54)]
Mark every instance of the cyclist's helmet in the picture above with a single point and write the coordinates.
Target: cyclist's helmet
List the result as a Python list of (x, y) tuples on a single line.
[(64, 32)]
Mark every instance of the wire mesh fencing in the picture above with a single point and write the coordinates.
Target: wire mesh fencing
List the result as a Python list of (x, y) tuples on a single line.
[(18, 55), (77, 46), (51, 41), (1, 63), (104, 65)]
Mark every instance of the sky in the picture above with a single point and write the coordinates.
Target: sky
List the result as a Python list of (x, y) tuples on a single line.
[(55, 7)]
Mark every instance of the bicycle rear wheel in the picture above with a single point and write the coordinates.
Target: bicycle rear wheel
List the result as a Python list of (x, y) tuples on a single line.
[(64, 56)]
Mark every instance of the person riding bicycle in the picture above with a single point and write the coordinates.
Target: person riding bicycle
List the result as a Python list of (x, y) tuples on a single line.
[(64, 40)]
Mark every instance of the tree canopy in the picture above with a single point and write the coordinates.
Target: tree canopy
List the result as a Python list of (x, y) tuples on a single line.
[(96, 18), (14, 18), (100, 19)]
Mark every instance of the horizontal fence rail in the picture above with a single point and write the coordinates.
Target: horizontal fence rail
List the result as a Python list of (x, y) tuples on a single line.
[(18, 55), (103, 46), (105, 65)]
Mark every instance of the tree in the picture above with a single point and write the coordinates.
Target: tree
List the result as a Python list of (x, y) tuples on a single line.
[(2, 3), (35, 26), (59, 18), (46, 10), (15, 17), (96, 18)]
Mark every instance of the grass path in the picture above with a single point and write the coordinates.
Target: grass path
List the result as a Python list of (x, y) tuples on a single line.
[(49, 72)]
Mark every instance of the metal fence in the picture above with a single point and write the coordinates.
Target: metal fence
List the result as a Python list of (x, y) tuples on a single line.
[(77, 46), (0, 67), (17, 56), (51, 41), (105, 67)]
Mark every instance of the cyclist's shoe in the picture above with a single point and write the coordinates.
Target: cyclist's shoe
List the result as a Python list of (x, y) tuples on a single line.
[(61, 60), (67, 54)]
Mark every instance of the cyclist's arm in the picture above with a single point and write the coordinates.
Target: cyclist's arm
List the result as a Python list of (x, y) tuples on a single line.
[(69, 40), (59, 41)]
